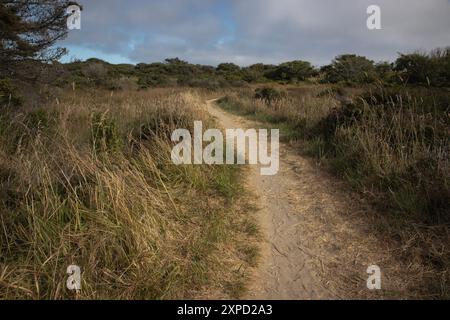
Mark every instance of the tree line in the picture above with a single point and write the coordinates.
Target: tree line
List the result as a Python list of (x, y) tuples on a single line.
[(428, 69), (29, 31)]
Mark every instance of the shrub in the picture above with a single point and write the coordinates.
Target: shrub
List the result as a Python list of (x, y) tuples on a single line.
[(269, 95), (292, 71), (229, 71), (385, 72), (349, 68), (415, 68), (9, 94), (96, 72), (431, 69)]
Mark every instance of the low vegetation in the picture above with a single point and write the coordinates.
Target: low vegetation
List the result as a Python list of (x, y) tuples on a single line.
[(390, 144), (86, 176), (88, 181), (350, 70)]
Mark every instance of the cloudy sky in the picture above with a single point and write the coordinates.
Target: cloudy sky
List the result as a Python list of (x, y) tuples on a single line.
[(250, 31)]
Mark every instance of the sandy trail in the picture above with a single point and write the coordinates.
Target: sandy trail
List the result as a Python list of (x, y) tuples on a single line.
[(318, 242), (285, 272)]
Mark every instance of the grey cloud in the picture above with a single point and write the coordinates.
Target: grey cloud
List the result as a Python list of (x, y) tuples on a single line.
[(319, 30), (269, 31)]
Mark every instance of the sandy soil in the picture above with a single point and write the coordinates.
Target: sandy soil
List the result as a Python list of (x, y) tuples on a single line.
[(316, 240)]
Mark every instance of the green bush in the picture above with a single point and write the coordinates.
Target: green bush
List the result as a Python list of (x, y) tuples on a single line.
[(229, 71), (269, 95), (8, 94), (292, 71), (431, 69), (385, 73), (350, 69)]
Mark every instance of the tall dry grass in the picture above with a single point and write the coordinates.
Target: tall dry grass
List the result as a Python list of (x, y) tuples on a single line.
[(296, 113), (392, 145), (87, 180)]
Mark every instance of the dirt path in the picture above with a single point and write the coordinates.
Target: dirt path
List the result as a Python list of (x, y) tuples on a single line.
[(316, 246)]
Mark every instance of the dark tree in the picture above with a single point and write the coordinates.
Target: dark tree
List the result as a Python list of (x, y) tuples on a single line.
[(292, 71), (229, 71), (350, 68), (425, 69), (228, 68), (29, 30)]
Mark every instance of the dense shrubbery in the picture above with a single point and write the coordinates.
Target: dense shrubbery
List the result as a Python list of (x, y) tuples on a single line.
[(431, 69), (419, 69), (349, 68), (292, 71)]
